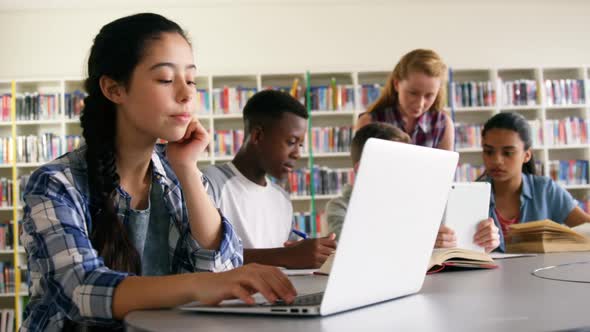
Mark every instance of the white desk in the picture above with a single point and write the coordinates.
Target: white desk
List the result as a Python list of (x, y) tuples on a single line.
[(505, 299)]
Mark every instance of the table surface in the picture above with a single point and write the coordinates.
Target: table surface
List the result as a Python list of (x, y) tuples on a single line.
[(508, 298)]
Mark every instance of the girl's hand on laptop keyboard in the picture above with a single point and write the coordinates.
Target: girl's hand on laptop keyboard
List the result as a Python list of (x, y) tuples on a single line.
[(310, 253), (242, 283)]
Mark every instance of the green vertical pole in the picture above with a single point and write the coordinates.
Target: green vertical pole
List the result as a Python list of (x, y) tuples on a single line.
[(310, 149)]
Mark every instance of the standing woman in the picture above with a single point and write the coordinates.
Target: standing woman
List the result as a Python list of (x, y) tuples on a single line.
[(414, 99), (122, 223)]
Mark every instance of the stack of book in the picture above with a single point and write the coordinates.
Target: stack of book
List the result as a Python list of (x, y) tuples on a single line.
[(544, 236)]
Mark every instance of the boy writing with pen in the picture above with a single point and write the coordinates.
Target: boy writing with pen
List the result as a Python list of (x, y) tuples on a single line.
[(261, 212)]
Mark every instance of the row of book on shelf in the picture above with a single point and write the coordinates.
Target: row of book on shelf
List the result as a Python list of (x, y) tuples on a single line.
[(324, 140), (327, 181), (564, 172), (231, 100), (43, 106), (37, 148), (516, 93), (304, 222), (567, 131)]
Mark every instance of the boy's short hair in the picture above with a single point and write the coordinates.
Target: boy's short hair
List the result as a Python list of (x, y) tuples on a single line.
[(380, 130), (268, 106)]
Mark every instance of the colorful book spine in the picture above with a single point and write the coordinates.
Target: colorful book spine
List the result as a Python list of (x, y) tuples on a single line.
[(73, 142), (564, 92), (332, 98), (6, 148), (74, 103), (369, 93), (519, 93), (231, 100), (472, 94), (467, 135), (228, 142), (571, 130), (569, 172), (468, 173), (329, 139), (6, 104), (302, 221), (41, 148), (36, 106), (327, 181), (6, 199), (295, 90), (203, 100)]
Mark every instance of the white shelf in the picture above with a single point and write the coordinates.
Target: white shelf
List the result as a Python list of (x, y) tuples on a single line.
[(331, 113), (568, 147), (11, 294), (475, 109), (327, 155), (29, 165), (469, 150), (38, 122), (479, 149), (231, 116), (10, 251), (565, 107), (5, 124), (73, 121), (8, 208), (520, 108), (5, 166), (308, 198)]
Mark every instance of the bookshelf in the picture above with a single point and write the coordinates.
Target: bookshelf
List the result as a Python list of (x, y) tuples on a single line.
[(361, 88)]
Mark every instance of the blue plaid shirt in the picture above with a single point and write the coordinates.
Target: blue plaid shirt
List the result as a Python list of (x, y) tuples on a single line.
[(68, 278)]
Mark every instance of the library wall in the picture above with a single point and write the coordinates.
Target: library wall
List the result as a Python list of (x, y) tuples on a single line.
[(284, 36)]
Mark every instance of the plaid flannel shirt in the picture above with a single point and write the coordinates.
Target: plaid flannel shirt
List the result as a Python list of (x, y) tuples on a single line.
[(68, 278)]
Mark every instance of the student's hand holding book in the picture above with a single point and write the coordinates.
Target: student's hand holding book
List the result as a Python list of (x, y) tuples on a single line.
[(242, 283), (309, 253)]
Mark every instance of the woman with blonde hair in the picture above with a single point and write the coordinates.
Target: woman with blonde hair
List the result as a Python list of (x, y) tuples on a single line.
[(413, 100)]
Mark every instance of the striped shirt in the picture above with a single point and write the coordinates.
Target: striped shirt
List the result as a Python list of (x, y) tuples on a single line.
[(69, 281), (429, 130)]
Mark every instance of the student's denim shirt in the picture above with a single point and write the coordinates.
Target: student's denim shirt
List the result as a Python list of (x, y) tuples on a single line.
[(68, 278), (541, 198)]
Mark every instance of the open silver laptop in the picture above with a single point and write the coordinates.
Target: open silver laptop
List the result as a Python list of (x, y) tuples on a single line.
[(388, 234)]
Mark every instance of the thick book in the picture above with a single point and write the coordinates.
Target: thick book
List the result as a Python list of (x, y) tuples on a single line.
[(544, 236), (459, 259)]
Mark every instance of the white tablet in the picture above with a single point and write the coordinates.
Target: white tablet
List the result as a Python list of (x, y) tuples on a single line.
[(468, 204)]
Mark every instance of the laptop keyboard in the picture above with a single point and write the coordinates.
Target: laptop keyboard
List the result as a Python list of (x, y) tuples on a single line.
[(303, 300)]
